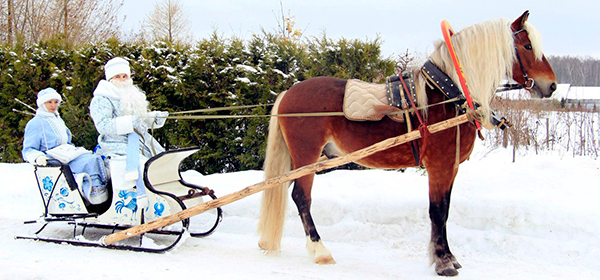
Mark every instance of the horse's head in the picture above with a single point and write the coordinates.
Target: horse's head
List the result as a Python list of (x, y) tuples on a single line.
[(531, 69)]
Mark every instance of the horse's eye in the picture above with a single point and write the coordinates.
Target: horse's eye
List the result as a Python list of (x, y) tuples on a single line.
[(528, 47)]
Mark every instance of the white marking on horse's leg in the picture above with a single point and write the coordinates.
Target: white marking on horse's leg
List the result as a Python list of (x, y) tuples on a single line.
[(310, 246), (431, 251), (318, 251), (445, 266)]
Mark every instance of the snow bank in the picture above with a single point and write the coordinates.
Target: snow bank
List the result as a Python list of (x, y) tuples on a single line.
[(537, 218)]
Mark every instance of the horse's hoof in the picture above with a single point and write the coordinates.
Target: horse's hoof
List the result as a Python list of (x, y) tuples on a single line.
[(455, 262), (456, 265), (327, 259), (447, 272)]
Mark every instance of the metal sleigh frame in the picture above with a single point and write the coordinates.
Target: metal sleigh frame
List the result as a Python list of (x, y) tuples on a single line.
[(64, 203)]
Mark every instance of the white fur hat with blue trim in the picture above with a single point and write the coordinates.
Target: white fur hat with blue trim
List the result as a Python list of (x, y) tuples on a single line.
[(45, 95), (116, 66)]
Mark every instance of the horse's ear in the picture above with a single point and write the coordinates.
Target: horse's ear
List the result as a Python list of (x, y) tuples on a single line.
[(519, 23)]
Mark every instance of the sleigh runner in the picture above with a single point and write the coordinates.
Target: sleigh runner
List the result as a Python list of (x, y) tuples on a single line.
[(166, 194)]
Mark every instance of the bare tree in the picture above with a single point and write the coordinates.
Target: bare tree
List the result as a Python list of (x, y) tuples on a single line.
[(32, 20), (575, 70), (404, 61), (88, 20), (286, 25), (9, 20), (168, 22), (73, 21)]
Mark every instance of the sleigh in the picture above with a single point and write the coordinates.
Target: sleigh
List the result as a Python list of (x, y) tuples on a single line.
[(69, 217)]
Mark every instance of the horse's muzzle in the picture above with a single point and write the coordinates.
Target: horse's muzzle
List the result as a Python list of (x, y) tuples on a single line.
[(543, 88)]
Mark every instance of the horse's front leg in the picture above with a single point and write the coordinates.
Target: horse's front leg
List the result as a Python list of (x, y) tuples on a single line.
[(439, 251), (302, 198)]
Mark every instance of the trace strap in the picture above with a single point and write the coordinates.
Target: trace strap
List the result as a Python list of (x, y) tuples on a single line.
[(314, 114), (221, 109), (414, 145), (447, 31)]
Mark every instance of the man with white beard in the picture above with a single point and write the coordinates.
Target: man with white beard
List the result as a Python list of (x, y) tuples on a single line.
[(122, 117)]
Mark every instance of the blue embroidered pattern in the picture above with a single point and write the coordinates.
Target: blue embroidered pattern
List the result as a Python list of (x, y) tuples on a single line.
[(47, 183), (132, 204), (64, 192), (159, 208)]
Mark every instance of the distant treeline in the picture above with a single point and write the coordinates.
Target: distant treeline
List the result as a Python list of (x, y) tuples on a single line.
[(575, 70)]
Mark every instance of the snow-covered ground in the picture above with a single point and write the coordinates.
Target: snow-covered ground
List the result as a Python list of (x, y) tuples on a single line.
[(537, 218)]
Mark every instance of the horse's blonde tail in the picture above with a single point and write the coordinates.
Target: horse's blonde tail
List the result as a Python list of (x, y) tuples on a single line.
[(274, 200)]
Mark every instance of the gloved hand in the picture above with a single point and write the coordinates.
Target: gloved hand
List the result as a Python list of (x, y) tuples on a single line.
[(158, 117), (161, 118), (41, 160)]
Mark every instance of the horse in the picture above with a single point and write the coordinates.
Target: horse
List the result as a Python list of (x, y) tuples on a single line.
[(489, 53)]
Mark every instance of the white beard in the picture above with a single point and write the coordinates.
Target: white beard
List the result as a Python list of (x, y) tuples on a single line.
[(133, 99)]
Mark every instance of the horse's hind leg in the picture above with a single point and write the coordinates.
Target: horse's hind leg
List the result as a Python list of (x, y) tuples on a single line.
[(302, 198)]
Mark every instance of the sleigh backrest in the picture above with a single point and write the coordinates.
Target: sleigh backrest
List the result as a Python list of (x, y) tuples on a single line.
[(164, 167), (162, 173)]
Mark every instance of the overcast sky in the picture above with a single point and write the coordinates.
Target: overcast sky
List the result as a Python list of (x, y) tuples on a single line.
[(567, 27)]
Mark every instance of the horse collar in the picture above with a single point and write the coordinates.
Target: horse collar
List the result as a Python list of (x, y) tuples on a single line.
[(437, 78)]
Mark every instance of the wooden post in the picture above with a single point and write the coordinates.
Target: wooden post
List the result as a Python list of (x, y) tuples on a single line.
[(294, 174)]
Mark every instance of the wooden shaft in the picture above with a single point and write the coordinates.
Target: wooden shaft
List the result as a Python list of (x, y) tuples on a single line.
[(294, 174)]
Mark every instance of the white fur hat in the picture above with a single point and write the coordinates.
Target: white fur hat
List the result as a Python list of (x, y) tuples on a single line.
[(116, 66), (47, 94)]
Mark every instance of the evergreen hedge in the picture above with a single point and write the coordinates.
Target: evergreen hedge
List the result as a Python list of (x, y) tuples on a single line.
[(214, 72)]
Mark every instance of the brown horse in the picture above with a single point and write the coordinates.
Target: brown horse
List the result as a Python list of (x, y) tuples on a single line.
[(489, 52)]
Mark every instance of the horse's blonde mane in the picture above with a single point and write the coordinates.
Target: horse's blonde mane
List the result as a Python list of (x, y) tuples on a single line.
[(486, 52)]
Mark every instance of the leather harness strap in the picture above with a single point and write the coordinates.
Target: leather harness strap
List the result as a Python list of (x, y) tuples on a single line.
[(401, 94), (422, 127)]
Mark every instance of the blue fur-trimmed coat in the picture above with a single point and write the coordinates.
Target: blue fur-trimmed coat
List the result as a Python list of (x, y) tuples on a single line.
[(114, 126), (42, 134)]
